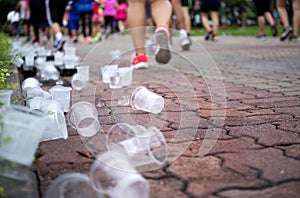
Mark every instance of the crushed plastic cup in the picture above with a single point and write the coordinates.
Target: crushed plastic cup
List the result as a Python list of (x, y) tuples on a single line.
[(35, 103), (37, 92), (126, 75), (18, 61), (29, 83), (111, 173), (145, 100), (77, 83), (48, 71), (57, 127), (62, 95), (59, 58), (144, 146), (70, 51), (5, 97), (105, 70), (83, 116), (72, 185), (20, 135), (83, 73)]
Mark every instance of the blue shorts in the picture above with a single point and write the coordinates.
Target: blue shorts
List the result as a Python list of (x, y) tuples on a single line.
[(73, 24)]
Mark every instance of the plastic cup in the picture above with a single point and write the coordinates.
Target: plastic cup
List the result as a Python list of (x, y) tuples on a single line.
[(115, 81), (143, 99), (37, 92), (21, 133), (83, 116), (29, 83), (77, 83), (69, 61), (106, 70), (143, 146), (111, 173), (29, 59), (70, 51), (58, 58), (83, 73), (5, 96), (57, 127), (69, 185), (126, 75), (35, 103), (62, 95)]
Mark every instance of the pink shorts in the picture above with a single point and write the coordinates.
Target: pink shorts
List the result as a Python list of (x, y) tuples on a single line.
[(96, 18)]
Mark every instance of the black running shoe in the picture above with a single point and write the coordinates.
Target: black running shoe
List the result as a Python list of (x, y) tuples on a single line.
[(286, 33)]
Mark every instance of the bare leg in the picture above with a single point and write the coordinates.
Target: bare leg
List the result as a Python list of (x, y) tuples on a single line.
[(296, 16), (176, 4), (204, 17), (283, 13), (161, 12), (261, 24), (187, 19), (136, 22), (269, 18), (215, 19)]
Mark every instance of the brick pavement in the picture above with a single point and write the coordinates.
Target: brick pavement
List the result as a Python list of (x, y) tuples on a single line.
[(240, 113)]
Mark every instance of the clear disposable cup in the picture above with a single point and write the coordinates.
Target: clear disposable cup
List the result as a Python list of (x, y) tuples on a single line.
[(70, 51), (58, 58), (29, 83), (112, 174), (105, 70), (83, 116), (5, 97), (62, 95), (57, 127), (69, 62), (70, 185), (20, 135), (143, 146), (115, 81), (83, 72), (77, 83), (29, 59), (35, 103), (37, 92), (143, 99), (126, 75)]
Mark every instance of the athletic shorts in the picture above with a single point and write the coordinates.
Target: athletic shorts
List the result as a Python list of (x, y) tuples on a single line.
[(185, 3), (209, 7), (55, 11), (262, 6)]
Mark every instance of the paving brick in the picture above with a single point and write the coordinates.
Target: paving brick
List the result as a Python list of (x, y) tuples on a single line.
[(291, 151), (172, 188)]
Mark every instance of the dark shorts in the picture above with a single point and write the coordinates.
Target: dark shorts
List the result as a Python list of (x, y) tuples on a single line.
[(148, 10), (209, 7), (262, 6), (185, 3), (55, 11)]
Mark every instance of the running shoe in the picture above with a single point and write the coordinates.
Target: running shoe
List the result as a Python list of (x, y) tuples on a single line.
[(208, 35), (162, 37), (274, 30), (286, 33), (293, 38), (139, 61), (184, 40), (58, 45), (262, 37)]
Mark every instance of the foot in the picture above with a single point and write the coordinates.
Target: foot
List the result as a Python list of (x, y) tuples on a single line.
[(139, 61), (213, 38), (293, 38), (58, 45), (208, 35), (261, 37), (274, 30), (286, 33), (184, 40), (162, 53), (97, 37)]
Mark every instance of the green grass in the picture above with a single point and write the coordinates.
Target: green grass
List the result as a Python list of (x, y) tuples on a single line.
[(236, 31)]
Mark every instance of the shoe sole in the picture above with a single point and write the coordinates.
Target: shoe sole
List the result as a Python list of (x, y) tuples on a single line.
[(163, 55), (185, 45), (284, 36), (140, 66), (60, 47)]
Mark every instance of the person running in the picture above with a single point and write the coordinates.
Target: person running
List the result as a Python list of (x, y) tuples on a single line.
[(161, 13), (25, 17), (85, 9), (98, 20), (73, 20), (262, 12), (183, 34), (109, 13), (121, 15), (288, 31), (211, 6), (13, 18), (55, 10)]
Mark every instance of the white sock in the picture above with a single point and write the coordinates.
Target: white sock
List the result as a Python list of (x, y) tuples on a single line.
[(58, 35)]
